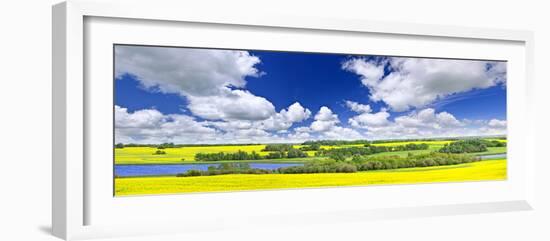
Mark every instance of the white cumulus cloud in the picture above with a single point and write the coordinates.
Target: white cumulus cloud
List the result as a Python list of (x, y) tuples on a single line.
[(357, 107), (231, 105), (206, 77), (326, 126), (495, 123), (286, 118), (186, 71), (494, 127), (422, 124), (418, 82), (151, 126), (324, 120), (280, 121)]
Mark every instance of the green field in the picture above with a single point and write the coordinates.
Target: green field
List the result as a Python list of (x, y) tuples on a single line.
[(144, 155), (477, 171)]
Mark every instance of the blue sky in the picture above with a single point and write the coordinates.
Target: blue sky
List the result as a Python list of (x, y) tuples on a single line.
[(188, 95)]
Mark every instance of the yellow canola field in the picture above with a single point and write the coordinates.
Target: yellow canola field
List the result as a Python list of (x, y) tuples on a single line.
[(478, 171), (144, 155)]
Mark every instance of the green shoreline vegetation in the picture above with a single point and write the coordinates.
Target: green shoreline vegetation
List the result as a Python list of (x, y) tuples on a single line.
[(356, 164)]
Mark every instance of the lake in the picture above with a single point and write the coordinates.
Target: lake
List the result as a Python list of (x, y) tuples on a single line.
[(172, 170), (493, 156)]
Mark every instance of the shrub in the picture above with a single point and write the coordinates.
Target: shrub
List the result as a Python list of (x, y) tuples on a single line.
[(159, 152), (295, 153), (465, 146), (190, 173), (275, 155), (495, 143), (338, 156), (347, 168), (277, 147), (166, 145), (225, 168)]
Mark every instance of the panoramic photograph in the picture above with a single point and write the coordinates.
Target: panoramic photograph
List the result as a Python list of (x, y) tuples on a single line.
[(197, 120)]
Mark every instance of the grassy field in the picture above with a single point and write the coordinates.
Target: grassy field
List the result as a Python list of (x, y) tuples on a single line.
[(477, 171), (144, 155)]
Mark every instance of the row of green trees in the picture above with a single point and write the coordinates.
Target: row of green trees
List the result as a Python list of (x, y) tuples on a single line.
[(291, 153), (341, 154), (409, 147), (243, 155), (336, 142), (223, 156), (277, 147), (414, 139), (363, 163), (355, 142), (356, 164), (225, 168), (279, 151), (470, 146), (494, 143)]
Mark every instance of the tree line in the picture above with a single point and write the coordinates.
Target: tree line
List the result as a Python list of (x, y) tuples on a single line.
[(341, 154), (279, 151), (356, 164), (243, 155), (470, 146), (336, 142), (366, 163), (222, 156), (225, 168)]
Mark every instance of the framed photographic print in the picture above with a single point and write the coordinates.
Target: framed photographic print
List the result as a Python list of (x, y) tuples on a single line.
[(160, 117), (212, 120)]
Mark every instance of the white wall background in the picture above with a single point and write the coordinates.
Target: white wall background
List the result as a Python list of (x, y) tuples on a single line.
[(25, 104)]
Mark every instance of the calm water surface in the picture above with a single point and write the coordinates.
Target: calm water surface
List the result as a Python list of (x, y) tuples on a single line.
[(167, 170), (493, 156)]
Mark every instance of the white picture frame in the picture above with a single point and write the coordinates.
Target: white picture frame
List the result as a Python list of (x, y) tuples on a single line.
[(74, 196)]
